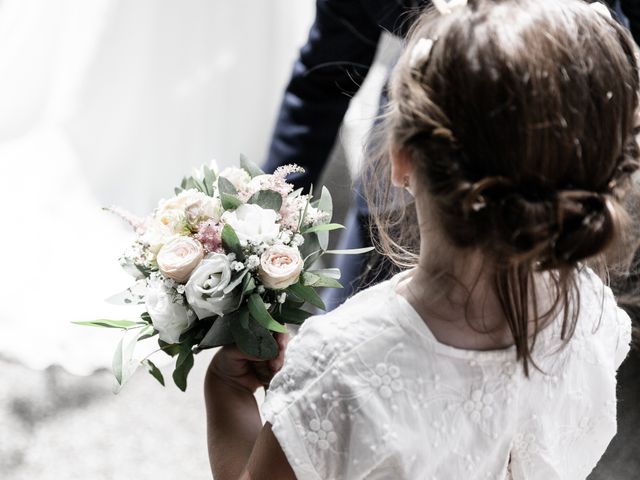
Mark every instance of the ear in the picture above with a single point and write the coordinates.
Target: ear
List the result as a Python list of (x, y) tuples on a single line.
[(401, 167)]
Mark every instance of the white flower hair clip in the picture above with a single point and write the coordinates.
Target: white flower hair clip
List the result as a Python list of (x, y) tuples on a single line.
[(602, 9), (445, 7), (420, 52)]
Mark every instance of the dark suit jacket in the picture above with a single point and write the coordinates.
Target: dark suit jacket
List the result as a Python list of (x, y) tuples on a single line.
[(331, 67)]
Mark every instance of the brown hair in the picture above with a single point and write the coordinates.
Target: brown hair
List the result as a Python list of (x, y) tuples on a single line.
[(522, 123)]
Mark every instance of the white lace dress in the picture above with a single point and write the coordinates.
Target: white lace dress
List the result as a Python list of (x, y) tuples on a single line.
[(368, 392)]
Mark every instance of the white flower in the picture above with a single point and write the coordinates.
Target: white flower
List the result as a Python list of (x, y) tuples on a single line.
[(237, 176), (280, 266), (162, 228), (260, 289), (179, 257), (297, 240), (205, 288), (253, 261), (168, 317), (253, 223), (237, 266), (285, 236), (282, 297)]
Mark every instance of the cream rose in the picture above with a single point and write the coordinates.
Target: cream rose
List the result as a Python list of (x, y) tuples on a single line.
[(179, 257), (280, 266), (168, 317), (253, 223), (193, 204), (205, 288)]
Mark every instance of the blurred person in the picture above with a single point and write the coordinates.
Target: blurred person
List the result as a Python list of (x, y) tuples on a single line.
[(339, 52)]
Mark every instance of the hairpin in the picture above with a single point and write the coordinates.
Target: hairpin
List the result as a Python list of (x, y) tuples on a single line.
[(601, 8), (445, 7), (420, 52)]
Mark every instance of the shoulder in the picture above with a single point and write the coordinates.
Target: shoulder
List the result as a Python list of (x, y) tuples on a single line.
[(601, 320)]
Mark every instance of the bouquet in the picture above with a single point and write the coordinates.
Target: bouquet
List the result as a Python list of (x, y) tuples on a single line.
[(227, 260)]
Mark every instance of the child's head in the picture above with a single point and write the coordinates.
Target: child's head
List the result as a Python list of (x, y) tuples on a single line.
[(517, 130)]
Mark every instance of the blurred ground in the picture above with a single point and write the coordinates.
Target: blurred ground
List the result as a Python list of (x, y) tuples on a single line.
[(54, 425)]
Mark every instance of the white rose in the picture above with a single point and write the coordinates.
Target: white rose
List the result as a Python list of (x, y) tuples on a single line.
[(237, 176), (179, 257), (205, 288), (253, 223), (280, 266), (169, 318)]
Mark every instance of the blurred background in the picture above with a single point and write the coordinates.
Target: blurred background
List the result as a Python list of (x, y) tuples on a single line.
[(112, 102)]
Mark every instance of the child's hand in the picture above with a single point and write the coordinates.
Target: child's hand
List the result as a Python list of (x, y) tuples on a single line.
[(237, 369)]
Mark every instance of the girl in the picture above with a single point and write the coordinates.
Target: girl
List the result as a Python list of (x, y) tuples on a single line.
[(512, 125)]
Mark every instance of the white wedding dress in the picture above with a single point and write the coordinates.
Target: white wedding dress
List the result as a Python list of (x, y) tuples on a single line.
[(367, 392)]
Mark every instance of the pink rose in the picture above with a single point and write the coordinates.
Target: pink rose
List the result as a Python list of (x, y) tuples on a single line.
[(280, 266), (179, 257)]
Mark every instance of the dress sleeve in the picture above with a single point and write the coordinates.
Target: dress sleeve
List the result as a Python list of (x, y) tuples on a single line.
[(300, 404), (623, 336)]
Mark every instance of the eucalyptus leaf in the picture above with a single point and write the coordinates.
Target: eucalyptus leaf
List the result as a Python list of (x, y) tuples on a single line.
[(259, 312), (267, 199), (229, 202), (255, 340), (308, 294), (248, 285), (154, 371), (225, 186), (209, 180), (251, 168), (315, 279)]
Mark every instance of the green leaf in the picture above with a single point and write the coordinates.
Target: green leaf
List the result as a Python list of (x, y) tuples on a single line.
[(177, 190), (235, 282), (251, 168), (325, 204), (209, 180), (146, 317), (315, 279), (230, 241), (220, 332), (324, 227), (154, 371), (229, 202), (147, 332), (293, 315), (352, 251), (311, 249), (309, 278), (228, 194), (124, 324), (225, 186), (267, 199), (259, 312), (116, 364), (170, 349), (183, 367), (248, 285), (328, 272), (255, 340), (308, 294)]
